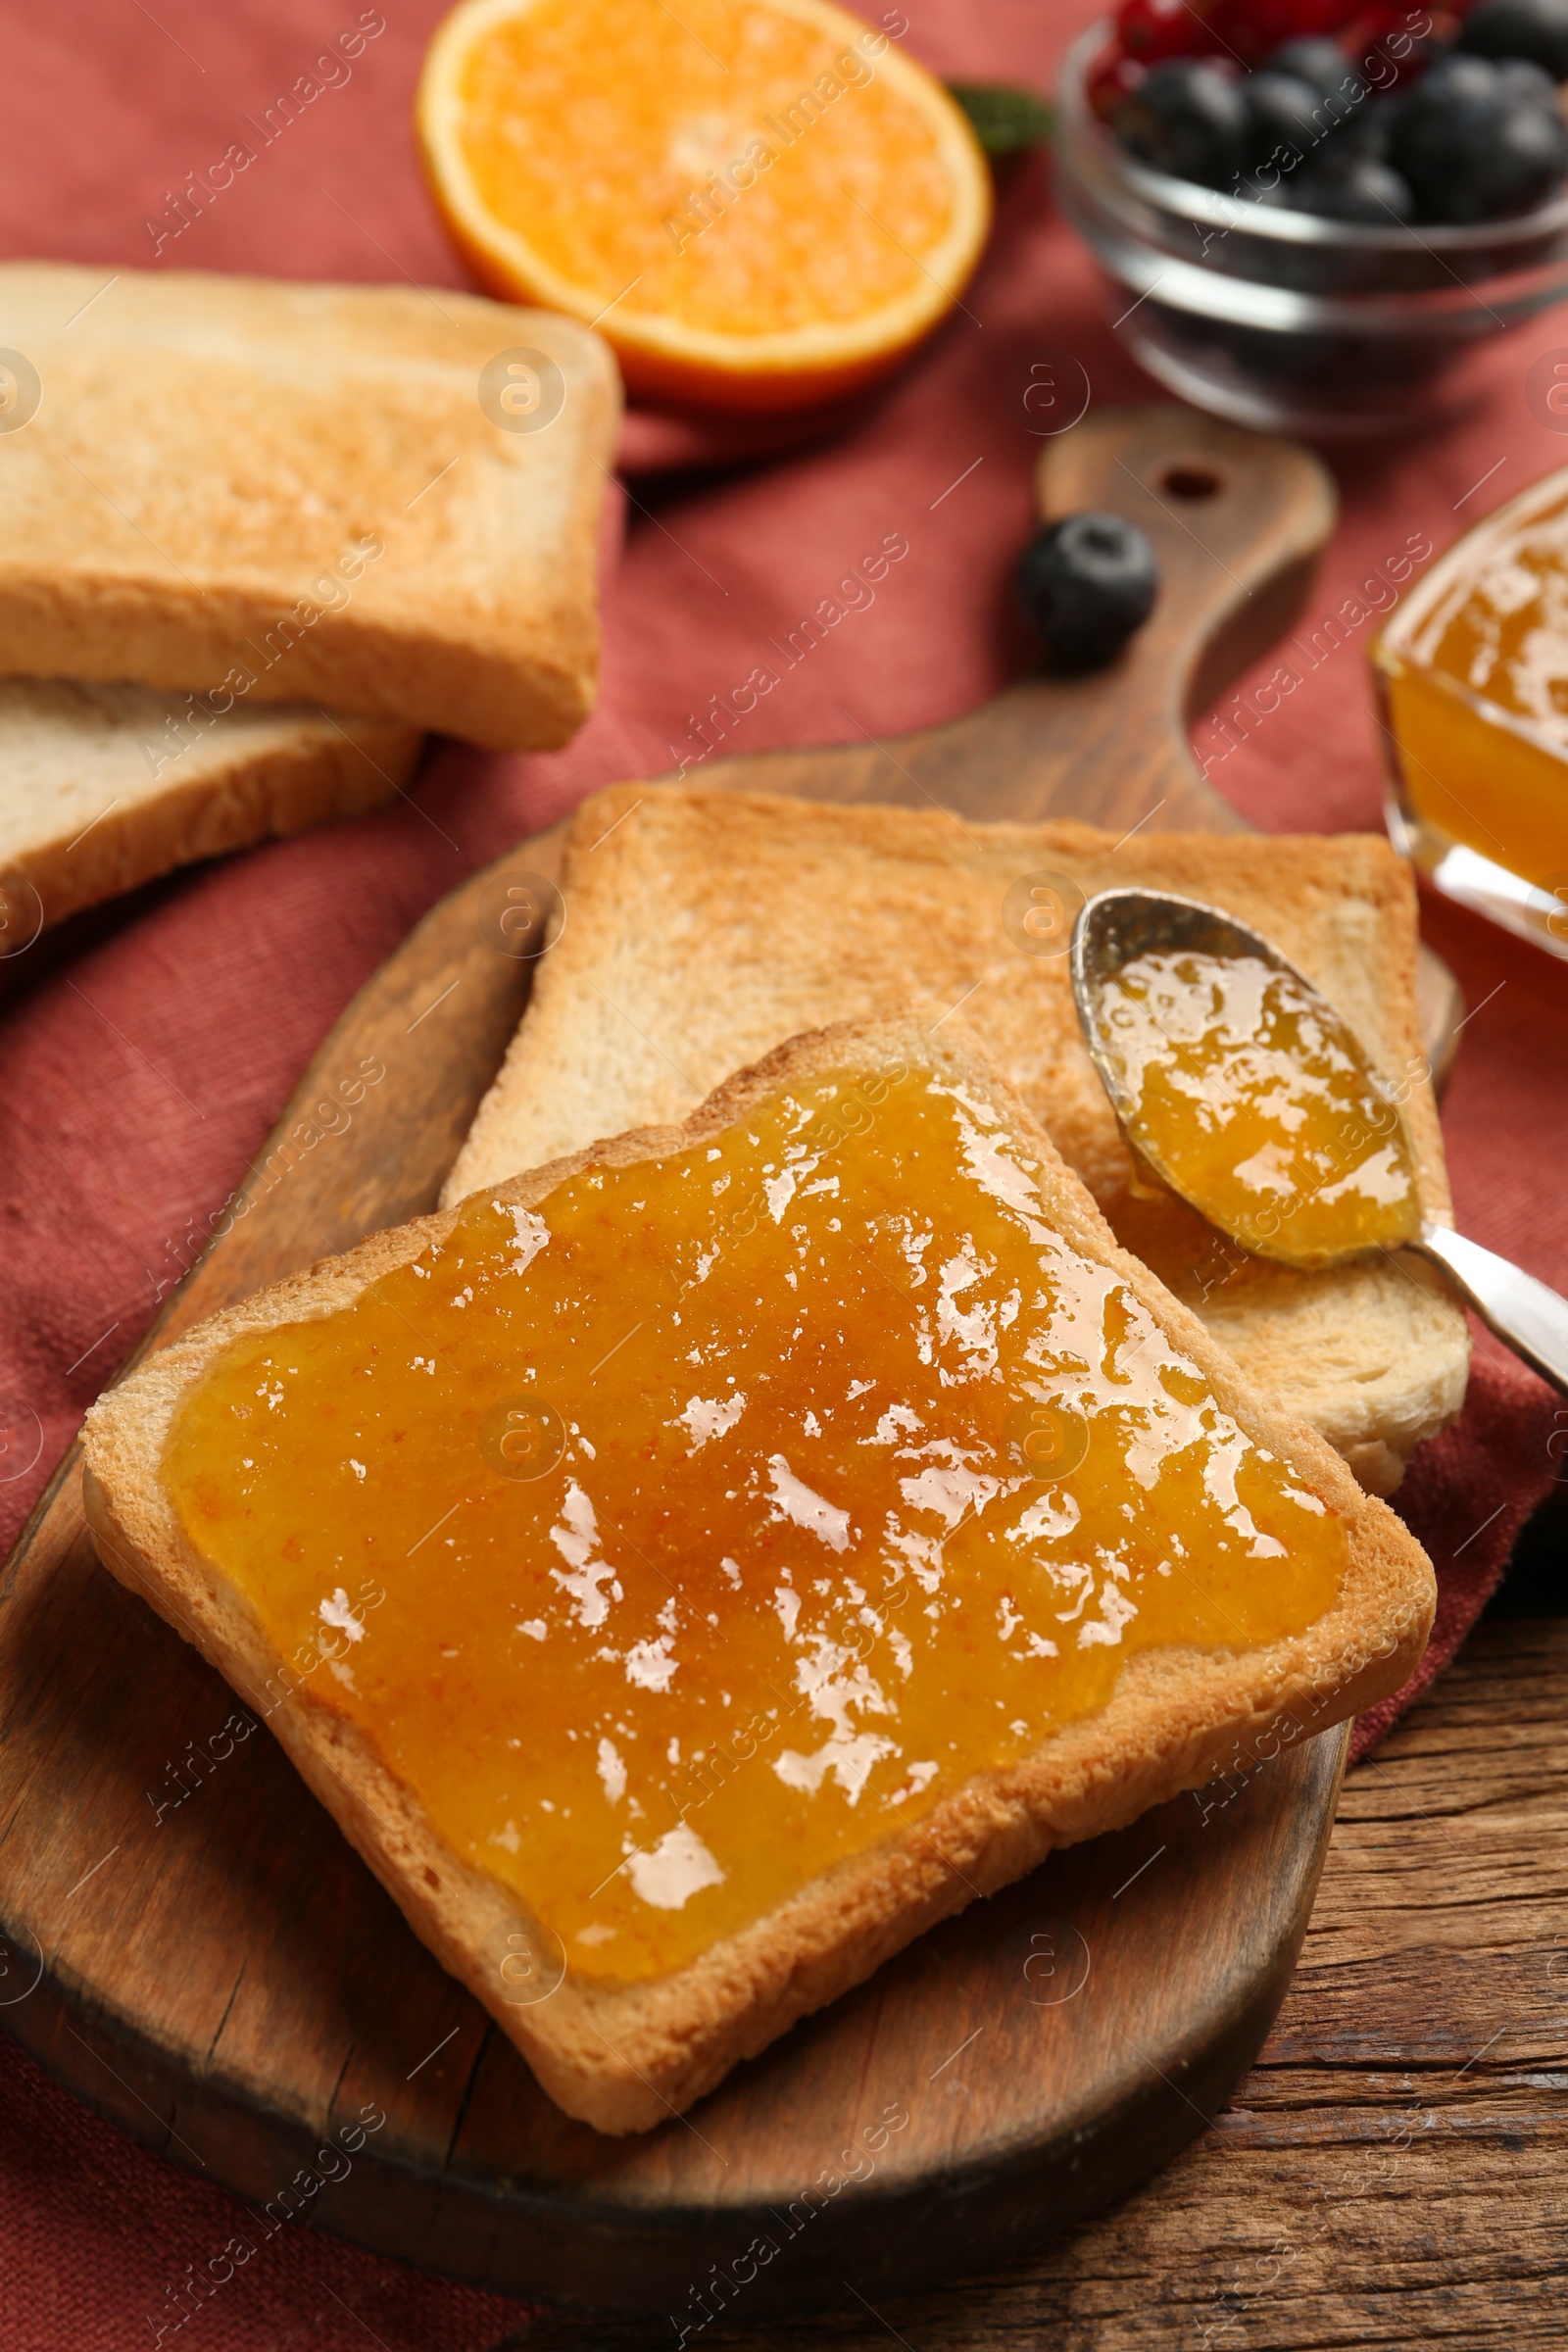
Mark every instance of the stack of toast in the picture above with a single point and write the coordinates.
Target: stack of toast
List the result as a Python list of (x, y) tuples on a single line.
[(724, 954), (258, 538)]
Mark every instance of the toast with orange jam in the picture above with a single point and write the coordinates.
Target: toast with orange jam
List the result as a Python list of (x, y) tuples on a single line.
[(691, 1569)]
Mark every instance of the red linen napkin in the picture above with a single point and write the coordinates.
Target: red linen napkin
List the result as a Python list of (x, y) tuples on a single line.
[(140, 1070)]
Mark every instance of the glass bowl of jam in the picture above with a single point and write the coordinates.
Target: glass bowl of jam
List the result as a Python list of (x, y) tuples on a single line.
[(1471, 677), (1286, 319)]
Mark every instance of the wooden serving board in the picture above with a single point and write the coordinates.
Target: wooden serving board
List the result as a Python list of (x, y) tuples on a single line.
[(188, 1942)]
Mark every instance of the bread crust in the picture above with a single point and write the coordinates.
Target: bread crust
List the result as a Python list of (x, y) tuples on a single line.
[(623, 2058), (308, 485), (103, 789), (706, 925)]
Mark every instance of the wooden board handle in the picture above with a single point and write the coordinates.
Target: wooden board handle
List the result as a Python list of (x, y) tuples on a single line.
[(1238, 520)]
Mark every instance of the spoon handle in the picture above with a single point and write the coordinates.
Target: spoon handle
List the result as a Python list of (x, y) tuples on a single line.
[(1525, 1315)]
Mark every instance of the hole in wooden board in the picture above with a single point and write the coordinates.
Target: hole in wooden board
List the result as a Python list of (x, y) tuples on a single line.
[(1192, 480)]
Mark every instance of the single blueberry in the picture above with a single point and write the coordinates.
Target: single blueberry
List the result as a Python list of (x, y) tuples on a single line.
[(1523, 169), (1186, 117), (1281, 124), (1318, 62), (1535, 30), (1086, 583), (1361, 188), (1453, 78), (1472, 150)]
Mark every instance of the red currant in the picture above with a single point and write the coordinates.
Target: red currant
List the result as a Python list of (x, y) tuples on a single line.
[(1376, 22), (1111, 78), (1248, 30), (1152, 29)]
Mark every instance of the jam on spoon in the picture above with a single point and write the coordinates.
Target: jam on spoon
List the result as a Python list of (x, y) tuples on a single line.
[(1252, 1097), (1245, 1091)]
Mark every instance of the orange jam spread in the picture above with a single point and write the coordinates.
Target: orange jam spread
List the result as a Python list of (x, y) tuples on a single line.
[(718, 1517), (1472, 673), (1245, 1090)]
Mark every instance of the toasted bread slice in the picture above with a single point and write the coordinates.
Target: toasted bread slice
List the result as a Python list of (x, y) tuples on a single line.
[(298, 493), (623, 2047), (705, 926), (104, 787)]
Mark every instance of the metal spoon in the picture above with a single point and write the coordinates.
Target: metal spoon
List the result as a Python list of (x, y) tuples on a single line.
[(1118, 926)]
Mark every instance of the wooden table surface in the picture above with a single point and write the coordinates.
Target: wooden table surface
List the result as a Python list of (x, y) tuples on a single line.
[(1395, 2170)]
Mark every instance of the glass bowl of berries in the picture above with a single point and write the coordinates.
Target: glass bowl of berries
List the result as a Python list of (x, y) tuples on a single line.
[(1313, 211)]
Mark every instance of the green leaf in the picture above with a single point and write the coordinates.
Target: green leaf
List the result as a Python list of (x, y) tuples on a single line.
[(1006, 118)]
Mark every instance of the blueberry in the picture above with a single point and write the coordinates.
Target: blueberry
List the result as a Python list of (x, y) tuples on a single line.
[(1321, 64), (1086, 583), (1521, 80), (1523, 167), (1361, 188), (1282, 128), (1341, 109), (1456, 77), (1472, 149), (1537, 29), (1186, 117)]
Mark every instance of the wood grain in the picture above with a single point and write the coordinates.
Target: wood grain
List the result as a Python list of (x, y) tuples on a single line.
[(1237, 521), (1392, 2171), (198, 1952)]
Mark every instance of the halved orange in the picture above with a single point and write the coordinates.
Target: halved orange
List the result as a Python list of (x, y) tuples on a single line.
[(759, 203)]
